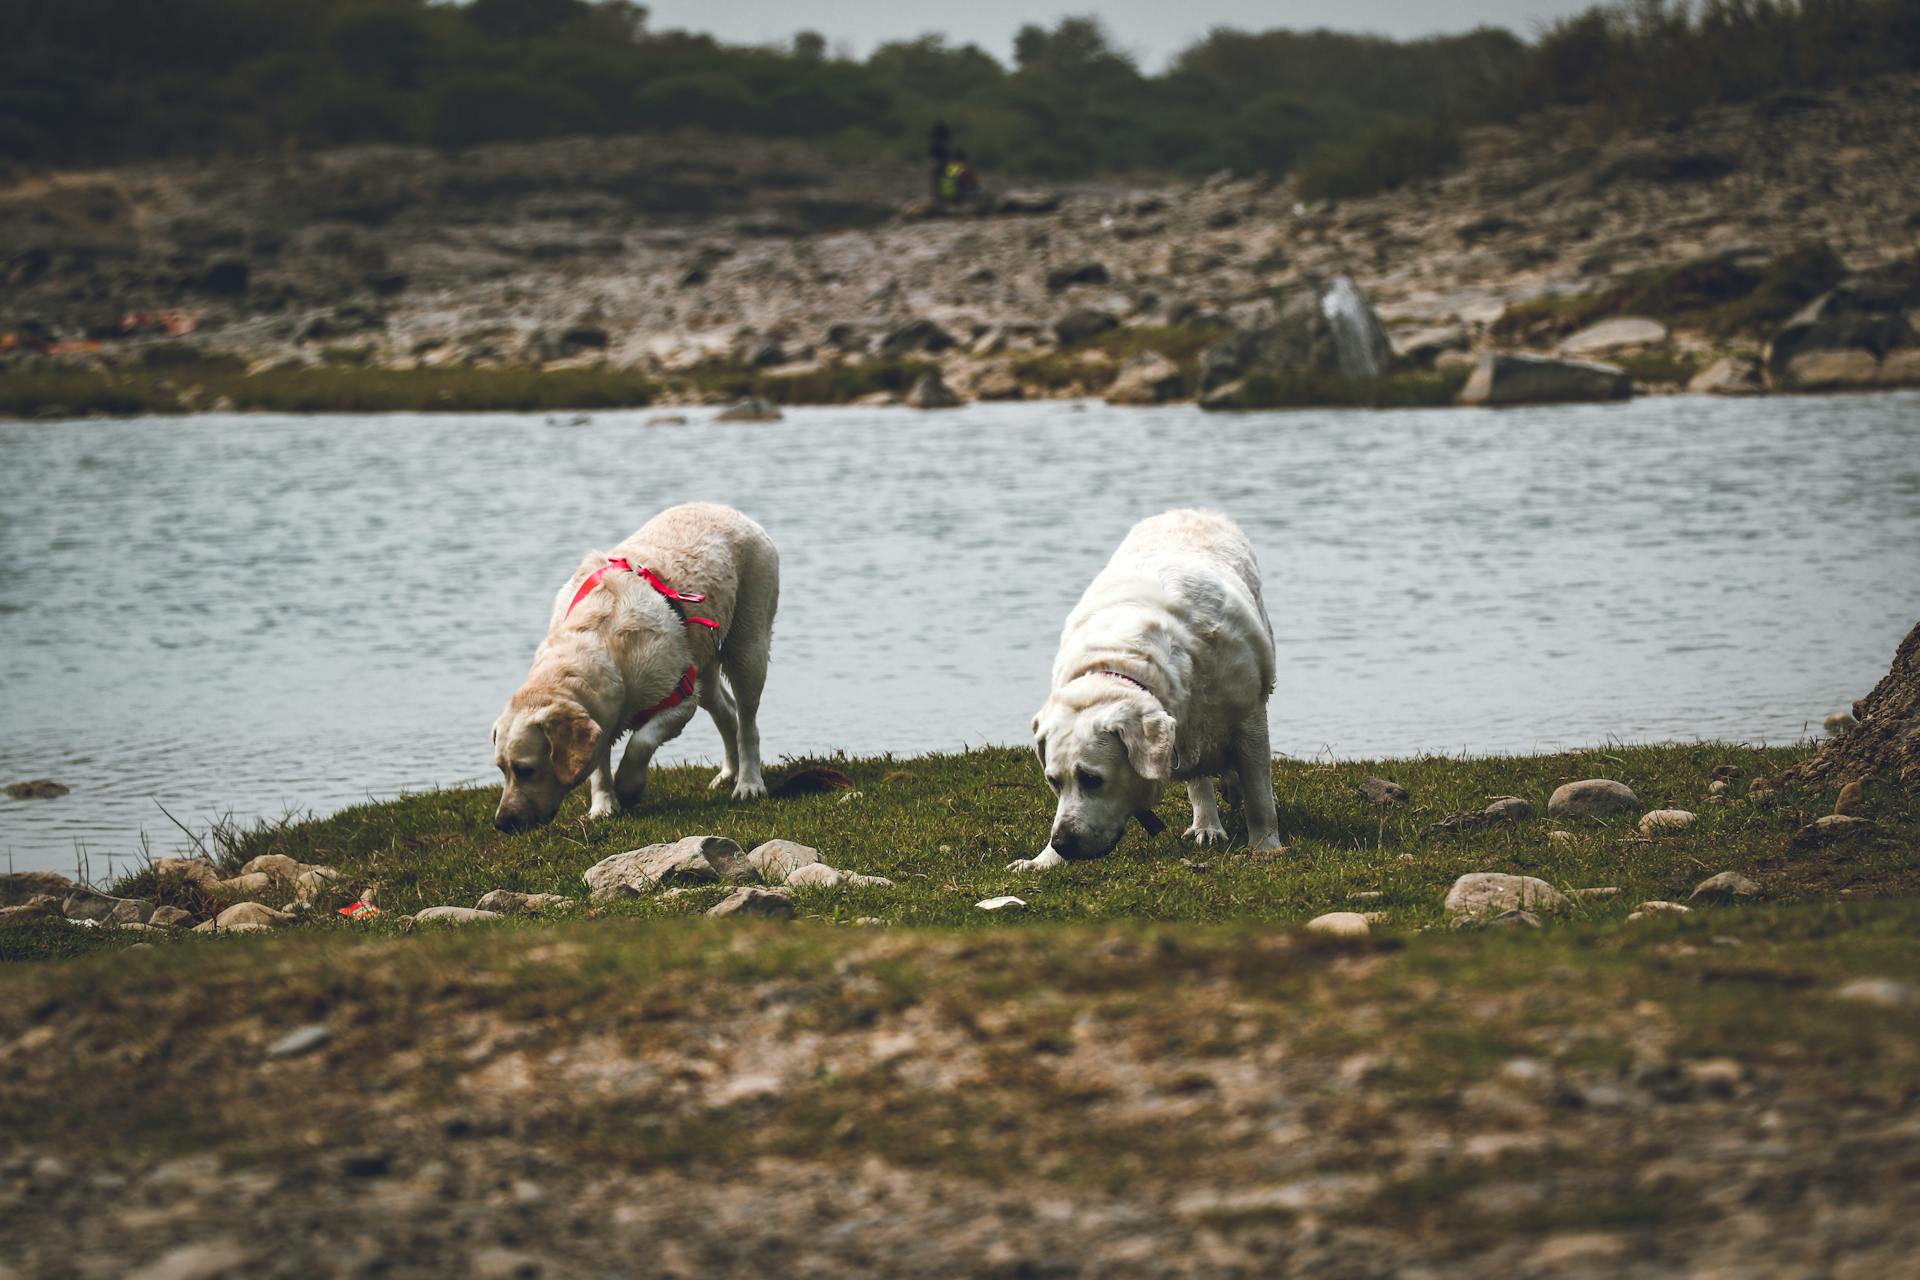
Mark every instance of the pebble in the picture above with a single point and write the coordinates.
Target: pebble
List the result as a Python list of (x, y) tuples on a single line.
[(1507, 809), (815, 875), (868, 882), (777, 859), (1001, 903), (870, 922), (455, 915), (1658, 820), (1340, 924), (1718, 787), (1725, 887), (1486, 892), (1592, 798), (769, 904), (300, 1040), (1852, 801), (1885, 992)]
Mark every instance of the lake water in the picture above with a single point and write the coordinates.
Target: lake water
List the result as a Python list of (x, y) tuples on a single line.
[(257, 615)]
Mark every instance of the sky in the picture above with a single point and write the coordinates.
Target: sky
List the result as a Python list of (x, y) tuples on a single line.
[(1152, 30)]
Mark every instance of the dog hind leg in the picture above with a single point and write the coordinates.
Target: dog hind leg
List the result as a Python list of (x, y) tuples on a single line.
[(1253, 764)]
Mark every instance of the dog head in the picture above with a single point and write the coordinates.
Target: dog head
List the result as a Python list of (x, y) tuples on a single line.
[(1108, 754), (544, 746)]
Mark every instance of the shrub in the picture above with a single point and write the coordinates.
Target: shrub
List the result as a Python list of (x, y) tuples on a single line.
[(1379, 158)]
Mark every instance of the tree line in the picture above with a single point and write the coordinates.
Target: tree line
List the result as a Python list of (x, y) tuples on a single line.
[(85, 81)]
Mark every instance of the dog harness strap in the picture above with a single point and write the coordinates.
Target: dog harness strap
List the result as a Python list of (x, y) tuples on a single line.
[(681, 692), (1148, 819), (674, 598)]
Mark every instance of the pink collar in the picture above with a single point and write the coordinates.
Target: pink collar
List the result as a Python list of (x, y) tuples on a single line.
[(690, 678), (1121, 675)]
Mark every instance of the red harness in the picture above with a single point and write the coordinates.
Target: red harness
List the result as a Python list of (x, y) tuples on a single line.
[(676, 600)]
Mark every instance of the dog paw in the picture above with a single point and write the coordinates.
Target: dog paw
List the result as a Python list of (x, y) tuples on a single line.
[(750, 789), (602, 807), (1268, 844), (1047, 861), (724, 778), (1206, 837)]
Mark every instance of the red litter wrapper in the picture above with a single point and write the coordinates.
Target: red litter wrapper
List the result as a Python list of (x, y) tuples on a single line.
[(359, 910)]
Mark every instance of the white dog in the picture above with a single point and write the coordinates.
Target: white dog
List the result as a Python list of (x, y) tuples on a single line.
[(1164, 671), (640, 636)]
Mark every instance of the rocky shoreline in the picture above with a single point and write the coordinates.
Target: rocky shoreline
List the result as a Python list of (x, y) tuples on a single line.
[(709, 270)]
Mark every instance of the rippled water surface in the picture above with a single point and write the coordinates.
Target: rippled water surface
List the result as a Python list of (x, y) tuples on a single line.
[(256, 615)]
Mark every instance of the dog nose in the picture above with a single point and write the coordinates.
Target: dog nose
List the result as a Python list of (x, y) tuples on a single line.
[(507, 822), (1065, 843)]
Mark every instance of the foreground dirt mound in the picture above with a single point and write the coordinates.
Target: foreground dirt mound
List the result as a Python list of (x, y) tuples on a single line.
[(1885, 735)]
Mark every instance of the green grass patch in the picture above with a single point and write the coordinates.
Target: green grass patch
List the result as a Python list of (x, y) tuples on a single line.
[(829, 384)]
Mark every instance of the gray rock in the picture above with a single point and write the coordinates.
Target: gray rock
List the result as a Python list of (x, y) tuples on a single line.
[(1658, 820), (1841, 337), (1327, 329), (241, 885), (90, 904), (752, 409), (815, 875), (769, 904), (128, 911), (1504, 377), (689, 861), (1382, 792), (932, 392), (1065, 277), (1507, 809), (1482, 893), (775, 860), (1730, 376), (200, 871), (1592, 798), (507, 902), (300, 1040), (1728, 886), (455, 915), (17, 887), (277, 865), (1616, 334), (1082, 324), (1147, 378), (1831, 829), (916, 335), (1888, 993)]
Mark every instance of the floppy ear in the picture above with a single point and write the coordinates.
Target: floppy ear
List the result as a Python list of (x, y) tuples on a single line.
[(572, 737), (1149, 744)]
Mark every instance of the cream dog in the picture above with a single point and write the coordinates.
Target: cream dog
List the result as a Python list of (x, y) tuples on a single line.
[(640, 636), (1164, 671)]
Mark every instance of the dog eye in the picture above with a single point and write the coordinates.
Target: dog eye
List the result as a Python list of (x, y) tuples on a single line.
[(1053, 782), (1089, 781), (523, 771)]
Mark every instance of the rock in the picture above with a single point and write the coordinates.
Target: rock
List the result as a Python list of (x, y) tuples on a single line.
[(1076, 273), (17, 887), (998, 383), (169, 917), (1839, 722), (90, 904), (1486, 892), (1005, 903), (1340, 924), (932, 392), (1657, 820), (760, 353), (1841, 338), (913, 336), (1829, 830), (1616, 334), (1592, 798), (314, 881), (1718, 787), (667, 420), (1382, 792), (752, 409), (1027, 202), (29, 913), (244, 914), (1597, 891), (1657, 906), (1728, 886), (815, 875), (278, 865), (1513, 918), (507, 902), (206, 1260), (1424, 346), (455, 915), (130, 911), (1730, 376), (1330, 329), (689, 861), (1504, 377), (1083, 324), (1887, 993), (775, 860), (1507, 809), (859, 881), (1147, 378), (769, 904), (199, 871), (1852, 801), (37, 789), (241, 885), (1832, 371), (299, 1041)]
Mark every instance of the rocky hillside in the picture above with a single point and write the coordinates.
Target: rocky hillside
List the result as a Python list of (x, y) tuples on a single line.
[(665, 257)]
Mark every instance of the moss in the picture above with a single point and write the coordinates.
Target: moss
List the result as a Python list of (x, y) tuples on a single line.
[(829, 384)]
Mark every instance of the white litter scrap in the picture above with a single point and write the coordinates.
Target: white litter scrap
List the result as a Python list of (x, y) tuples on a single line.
[(1000, 904)]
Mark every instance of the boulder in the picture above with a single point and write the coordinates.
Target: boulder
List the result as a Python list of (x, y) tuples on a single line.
[(752, 409), (1065, 277), (1083, 324), (1505, 377), (90, 904), (1593, 798), (1147, 378), (932, 392), (689, 861), (768, 904), (775, 860), (507, 902), (1856, 326), (18, 887), (815, 875), (1832, 371), (1341, 924), (915, 336), (1617, 334), (1730, 376), (250, 914), (1328, 329), (1422, 347), (278, 865), (1507, 809), (455, 915), (169, 917), (1728, 886), (1657, 820), (1483, 893), (199, 871)]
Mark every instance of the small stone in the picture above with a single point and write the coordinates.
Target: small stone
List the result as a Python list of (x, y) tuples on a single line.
[(815, 875), (692, 860), (1718, 787), (300, 1040), (242, 914), (1615, 334), (1728, 886), (769, 904), (455, 915), (1593, 798), (1340, 924), (1885, 992), (1507, 809), (1829, 830), (859, 881), (278, 865), (507, 902), (1658, 820), (1852, 802), (1839, 722), (1486, 892), (1382, 792), (870, 922), (1007, 902), (777, 859)]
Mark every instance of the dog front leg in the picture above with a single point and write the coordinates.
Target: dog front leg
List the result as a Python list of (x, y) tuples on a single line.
[(630, 785), (1207, 829), (1046, 860), (600, 781)]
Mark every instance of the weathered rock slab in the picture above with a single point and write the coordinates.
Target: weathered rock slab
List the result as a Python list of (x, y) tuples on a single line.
[(1506, 377), (689, 861), (1482, 893), (1592, 798), (775, 860), (767, 904)]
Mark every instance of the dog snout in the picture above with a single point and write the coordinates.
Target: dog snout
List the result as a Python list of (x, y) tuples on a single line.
[(1069, 843), (511, 822)]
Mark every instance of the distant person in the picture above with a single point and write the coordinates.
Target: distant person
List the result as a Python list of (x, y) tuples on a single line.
[(940, 147), (966, 183)]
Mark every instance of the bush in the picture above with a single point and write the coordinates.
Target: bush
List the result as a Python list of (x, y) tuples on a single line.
[(1379, 158), (502, 107)]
